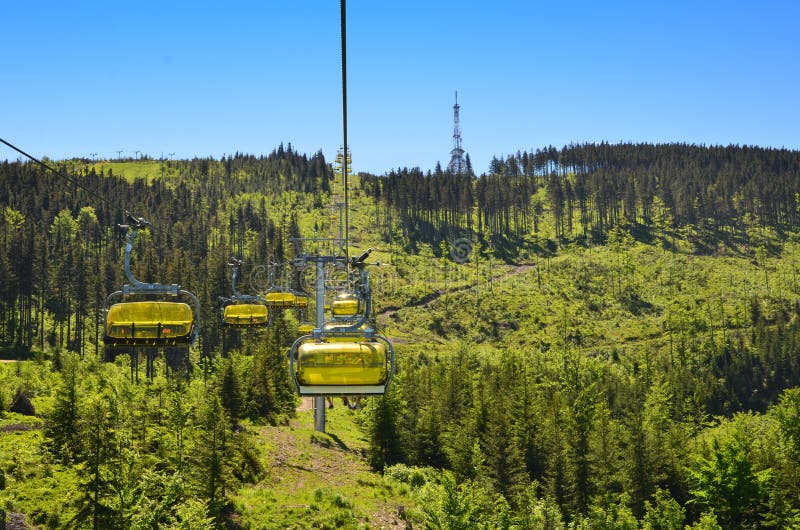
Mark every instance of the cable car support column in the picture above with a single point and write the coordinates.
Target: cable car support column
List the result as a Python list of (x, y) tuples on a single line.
[(319, 401)]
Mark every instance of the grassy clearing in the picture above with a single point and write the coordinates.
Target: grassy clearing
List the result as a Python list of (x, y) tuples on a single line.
[(43, 491), (592, 300), (319, 480), (139, 169)]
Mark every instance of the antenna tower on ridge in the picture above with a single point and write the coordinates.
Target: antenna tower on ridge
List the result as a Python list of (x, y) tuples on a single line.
[(457, 163)]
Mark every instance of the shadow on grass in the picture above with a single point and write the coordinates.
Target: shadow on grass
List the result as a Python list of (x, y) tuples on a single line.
[(329, 441)]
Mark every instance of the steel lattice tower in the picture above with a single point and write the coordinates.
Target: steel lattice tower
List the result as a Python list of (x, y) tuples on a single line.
[(457, 163)]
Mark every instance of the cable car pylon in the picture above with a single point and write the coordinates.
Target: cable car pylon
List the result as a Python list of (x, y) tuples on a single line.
[(343, 355)]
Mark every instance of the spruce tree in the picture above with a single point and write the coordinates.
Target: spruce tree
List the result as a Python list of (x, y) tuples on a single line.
[(211, 460), (61, 430), (100, 452), (384, 440), (230, 391)]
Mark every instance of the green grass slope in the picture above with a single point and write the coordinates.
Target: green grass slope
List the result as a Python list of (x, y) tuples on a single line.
[(320, 480)]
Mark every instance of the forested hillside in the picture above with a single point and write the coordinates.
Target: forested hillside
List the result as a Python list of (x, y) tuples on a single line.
[(602, 336), (202, 213), (588, 189)]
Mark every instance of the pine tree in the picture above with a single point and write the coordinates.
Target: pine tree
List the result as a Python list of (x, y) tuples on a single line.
[(503, 461), (100, 452), (61, 429), (211, 459), (384, 444), (230, 391)]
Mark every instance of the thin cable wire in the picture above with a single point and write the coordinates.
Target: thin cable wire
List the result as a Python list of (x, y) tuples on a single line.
[(56, 171), (342, 8)]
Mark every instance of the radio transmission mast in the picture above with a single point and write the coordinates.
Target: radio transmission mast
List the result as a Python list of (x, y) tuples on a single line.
[(457, 163)]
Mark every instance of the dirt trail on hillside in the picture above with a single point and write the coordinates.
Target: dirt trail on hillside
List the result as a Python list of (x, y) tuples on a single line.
[(297, 468), (306, 403), (428, 299)]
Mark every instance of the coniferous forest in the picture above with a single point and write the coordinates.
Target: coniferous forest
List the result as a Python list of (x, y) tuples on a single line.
[(597, 336)]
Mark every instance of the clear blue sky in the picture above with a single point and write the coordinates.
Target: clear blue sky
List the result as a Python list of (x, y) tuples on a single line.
[(207, 78)]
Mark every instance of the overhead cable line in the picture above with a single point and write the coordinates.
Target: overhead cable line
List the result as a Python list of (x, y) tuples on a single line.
[(50, 168), (344, 129)]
